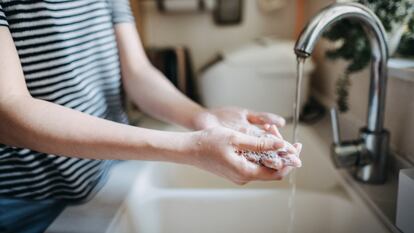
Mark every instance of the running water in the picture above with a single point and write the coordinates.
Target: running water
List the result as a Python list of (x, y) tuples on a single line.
[(296, 104), (296, 113)]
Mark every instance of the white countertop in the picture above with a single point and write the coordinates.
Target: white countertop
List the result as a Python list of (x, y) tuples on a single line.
[(97, 214), (401, 68)]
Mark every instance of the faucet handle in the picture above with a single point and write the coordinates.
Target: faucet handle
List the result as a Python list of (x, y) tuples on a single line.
[(336, 134), (344, 154)]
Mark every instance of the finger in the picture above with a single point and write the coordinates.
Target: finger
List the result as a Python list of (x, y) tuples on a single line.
[(282, 153), (265, 118), (274, 130), (285, 171), (258, 172), (274, 163), (258, 144), (292, 161), (251, 157), (289, 148), (261, 118), (298, 147), (254, 130)]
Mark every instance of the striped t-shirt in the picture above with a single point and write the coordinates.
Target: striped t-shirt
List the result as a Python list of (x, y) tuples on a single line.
[(69, 56)]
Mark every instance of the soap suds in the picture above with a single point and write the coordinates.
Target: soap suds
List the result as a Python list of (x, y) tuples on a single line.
[(272, 159)]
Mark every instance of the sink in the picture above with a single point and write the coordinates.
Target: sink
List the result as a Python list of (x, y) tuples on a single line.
[(317, 172), (246, 211), (178, 199)]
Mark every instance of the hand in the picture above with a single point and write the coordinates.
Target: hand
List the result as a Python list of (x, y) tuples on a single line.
[(241, 120), (215, 152)]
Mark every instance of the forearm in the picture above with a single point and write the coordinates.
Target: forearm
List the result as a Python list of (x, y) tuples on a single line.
[(147, 87), (155, 95), (42, 126)]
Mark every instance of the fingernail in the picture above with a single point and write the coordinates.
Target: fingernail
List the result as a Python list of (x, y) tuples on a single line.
[(280, 122), (298, 162), (298, 147), (291, 149), (282, 153)]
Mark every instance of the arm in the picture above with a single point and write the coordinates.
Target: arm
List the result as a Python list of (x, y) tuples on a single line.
[(154, 94), (147, 87), (46, 127), (39, 125)]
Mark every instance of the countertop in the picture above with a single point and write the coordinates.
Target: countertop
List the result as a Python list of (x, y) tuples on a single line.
[(382, 199), (97, 214), (401, 68)]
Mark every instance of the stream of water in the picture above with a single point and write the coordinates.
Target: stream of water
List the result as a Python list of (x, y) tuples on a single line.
[(296, 113)]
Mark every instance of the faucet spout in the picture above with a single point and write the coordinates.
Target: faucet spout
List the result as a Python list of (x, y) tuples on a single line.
[(368, 153), (379, 51)]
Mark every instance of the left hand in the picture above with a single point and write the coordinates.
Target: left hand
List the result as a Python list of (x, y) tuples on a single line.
[(251, 123), (241, 120)]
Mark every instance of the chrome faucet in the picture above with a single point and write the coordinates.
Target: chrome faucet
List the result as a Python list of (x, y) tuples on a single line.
[(367, 155)]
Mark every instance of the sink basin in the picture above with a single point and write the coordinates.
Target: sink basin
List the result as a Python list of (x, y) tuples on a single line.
[(246, 211), (317, 172), (178, 199)]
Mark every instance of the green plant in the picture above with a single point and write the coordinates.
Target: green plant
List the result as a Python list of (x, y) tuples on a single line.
[(406, 47), (354, 46)]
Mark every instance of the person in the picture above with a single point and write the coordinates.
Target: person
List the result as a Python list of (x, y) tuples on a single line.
[(64, 66)]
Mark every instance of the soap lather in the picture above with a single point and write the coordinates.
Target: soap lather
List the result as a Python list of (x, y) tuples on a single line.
[(273, 159)]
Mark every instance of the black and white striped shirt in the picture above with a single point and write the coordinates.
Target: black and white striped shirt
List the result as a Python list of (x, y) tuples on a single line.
[(69, 56)]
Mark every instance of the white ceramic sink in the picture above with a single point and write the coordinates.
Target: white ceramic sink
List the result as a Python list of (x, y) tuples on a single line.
[(317, 172), (263, 211), (169, 198)]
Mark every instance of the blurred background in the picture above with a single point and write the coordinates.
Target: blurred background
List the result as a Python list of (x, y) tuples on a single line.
[(240, 52)]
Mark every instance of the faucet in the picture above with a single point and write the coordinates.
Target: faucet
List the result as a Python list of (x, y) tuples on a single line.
[(367, 155)]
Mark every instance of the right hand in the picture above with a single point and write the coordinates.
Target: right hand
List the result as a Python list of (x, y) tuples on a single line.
[(215, 152)]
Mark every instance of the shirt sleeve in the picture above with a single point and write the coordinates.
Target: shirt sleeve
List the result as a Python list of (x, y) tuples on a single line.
[(121, 11), (3, 20)]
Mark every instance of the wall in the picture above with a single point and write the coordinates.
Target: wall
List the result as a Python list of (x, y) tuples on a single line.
[(205, 39), (399, 113)]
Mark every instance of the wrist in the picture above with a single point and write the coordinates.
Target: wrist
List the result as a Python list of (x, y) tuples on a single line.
[(204, 120), (190, 147)]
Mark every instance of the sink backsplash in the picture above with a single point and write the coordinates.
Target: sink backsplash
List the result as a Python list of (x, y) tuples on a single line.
[(399, 117)]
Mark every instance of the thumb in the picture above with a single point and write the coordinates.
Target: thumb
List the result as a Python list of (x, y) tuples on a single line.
[(258, 144), (273, 130)]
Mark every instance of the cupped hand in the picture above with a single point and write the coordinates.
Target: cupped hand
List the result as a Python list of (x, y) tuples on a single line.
[(240, 119), (215, 151)]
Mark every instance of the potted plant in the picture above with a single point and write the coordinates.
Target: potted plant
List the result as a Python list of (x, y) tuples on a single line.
[(406, 47), (354, 46)]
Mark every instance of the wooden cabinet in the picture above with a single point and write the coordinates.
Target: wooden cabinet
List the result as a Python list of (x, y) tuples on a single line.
[(138, 12)]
